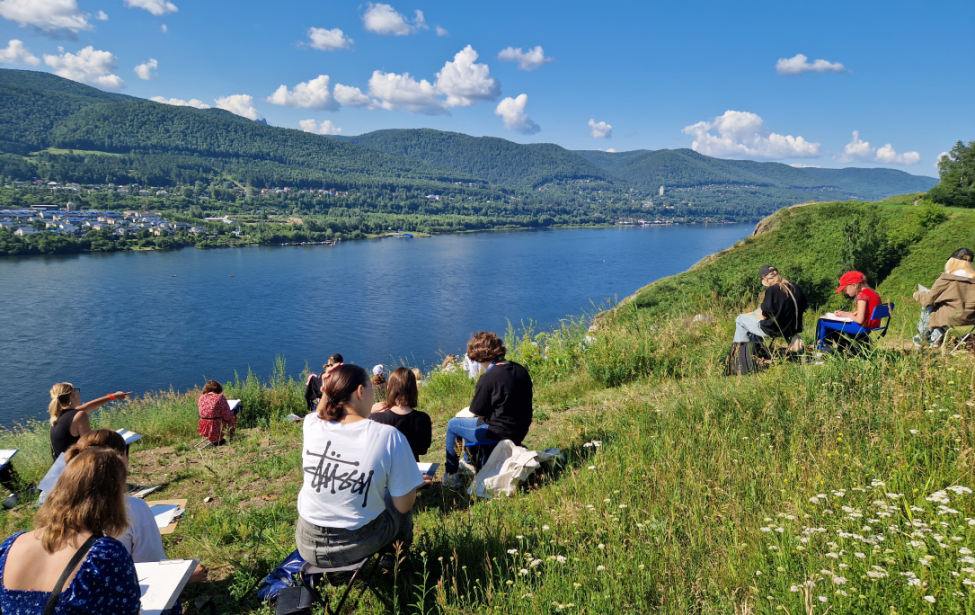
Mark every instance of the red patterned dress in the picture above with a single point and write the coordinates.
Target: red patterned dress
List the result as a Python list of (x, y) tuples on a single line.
[(216, 419)]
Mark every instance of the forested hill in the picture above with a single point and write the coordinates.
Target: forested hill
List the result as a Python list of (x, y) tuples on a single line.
[(171, 144), (59, 130), (495, 160), (683, 168)]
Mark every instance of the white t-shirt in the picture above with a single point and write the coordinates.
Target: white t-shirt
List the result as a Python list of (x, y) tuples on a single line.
[(348, 468), (142, 539)]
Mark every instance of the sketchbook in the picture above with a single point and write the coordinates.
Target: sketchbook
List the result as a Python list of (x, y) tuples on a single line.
[(174, 509), (6, 455), (465, 413), (164, 514), (51, 478), (161, 583), (129, 436), (234, 405), (833, 316), (427, 468), (923, 289)]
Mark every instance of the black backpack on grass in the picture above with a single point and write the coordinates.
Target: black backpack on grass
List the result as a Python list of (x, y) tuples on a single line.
[(746, 358)]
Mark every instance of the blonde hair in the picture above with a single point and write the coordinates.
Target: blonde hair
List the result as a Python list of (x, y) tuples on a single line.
[(954, 264), (60, 398), (89, 496)]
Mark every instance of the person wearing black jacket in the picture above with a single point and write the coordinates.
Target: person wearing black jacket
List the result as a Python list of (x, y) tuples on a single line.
[(502, 404), (781, 312)]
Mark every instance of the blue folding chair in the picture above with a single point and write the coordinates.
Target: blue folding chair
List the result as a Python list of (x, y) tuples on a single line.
[(852, 329)]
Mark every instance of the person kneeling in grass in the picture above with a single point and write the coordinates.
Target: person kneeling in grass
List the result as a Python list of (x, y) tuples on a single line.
[(502, 404), (780, 314)]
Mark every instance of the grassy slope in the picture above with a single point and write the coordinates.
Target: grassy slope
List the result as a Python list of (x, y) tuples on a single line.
[(695, 500)]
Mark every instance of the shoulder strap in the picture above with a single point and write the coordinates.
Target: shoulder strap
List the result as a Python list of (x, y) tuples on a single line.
[(52, 602)]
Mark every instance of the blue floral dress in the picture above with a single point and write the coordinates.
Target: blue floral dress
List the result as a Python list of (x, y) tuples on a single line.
[(106, 584)]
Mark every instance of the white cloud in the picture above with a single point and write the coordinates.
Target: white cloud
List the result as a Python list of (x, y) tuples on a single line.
[(938, 159), (239, 104), (156, 7), (744, 134), (442, 31), (512, 112), (328, 40), (145, 70), (349, 96), (886, 154), (527, 60), (858, 149), (101, 16), (384, 19), (196, 104), (164, 28), (325, 128), (800, 64), (46, 15), (87, 66), (600, 130), (404, 92), (312, 94), (465, 82), (17, 53)]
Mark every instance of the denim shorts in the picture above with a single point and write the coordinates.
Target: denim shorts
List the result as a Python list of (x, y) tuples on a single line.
[(327, 547)]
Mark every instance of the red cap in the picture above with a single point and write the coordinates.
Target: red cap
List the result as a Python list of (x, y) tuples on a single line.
[(850, 277)]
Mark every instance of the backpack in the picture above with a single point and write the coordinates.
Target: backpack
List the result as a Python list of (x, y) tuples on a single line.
[(281, 577), (746, 358)]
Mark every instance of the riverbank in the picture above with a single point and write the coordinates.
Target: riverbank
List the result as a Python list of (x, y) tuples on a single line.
[(682, 490)]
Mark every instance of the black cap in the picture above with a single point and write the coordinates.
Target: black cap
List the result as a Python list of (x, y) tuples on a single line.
[(962, 254), (766, 270)]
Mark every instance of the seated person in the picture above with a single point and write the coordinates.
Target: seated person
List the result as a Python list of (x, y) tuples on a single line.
[(379, 382), (780, 314), (142, 538), (402, 396), (85, 510), (69, 417), (313, 386), (854, 285), (502, 403), (950, 302), (360, 478), (217, 420)]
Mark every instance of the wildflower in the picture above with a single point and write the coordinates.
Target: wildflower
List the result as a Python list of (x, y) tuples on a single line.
[(929, 598), (509, 582), (794, 589), (512, 551), (592, 467), (561, 559), (519, 537), (758, 573), (577, 585), (534, 563), (859, 555), (958, 489), (545, 528), (600, 568), (522, 572), (641, 566), (622, 505), (607, 500), (965, 551), (823, 598), (913, 432)]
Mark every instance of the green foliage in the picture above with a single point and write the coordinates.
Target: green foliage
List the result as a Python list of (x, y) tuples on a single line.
[(957, 172)]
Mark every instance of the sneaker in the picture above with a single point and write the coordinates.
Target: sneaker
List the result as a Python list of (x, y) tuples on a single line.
[(452, 481)]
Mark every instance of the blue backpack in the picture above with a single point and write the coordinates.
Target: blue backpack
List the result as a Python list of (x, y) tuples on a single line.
[(280, 578)]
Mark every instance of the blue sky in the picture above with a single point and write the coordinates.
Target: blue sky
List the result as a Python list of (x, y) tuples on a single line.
[(725, 78)]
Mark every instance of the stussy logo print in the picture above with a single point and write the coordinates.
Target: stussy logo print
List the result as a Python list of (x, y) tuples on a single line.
[(337, 474)]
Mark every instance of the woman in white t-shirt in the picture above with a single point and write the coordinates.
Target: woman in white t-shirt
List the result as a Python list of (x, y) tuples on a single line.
[(141, 538), (360, 478)]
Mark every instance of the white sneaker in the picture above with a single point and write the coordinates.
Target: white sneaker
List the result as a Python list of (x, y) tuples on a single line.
[(452, 481)]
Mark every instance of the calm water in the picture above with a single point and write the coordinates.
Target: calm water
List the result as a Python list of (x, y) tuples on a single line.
[(148, 321)]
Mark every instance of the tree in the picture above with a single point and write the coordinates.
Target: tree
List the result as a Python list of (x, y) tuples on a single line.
[(957, 172)]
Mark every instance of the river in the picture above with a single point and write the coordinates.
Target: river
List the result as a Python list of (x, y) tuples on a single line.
[(145, 321)]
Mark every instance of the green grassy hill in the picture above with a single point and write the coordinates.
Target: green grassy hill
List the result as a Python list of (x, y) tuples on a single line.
[(840, 487)]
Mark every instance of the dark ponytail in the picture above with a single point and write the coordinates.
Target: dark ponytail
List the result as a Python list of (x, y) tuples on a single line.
[(342, 382)]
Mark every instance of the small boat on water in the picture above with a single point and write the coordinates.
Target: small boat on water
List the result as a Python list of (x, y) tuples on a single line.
[(408, 235)]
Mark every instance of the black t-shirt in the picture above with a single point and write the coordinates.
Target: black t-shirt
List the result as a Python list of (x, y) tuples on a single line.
[(61, 438), (503, 400), (783, 316), (415, 426)]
